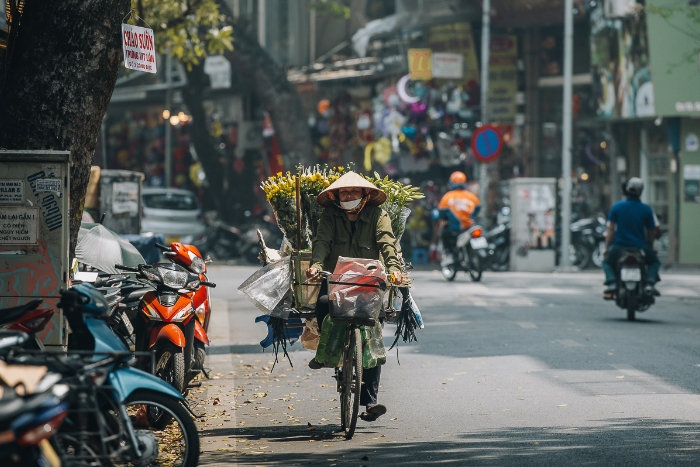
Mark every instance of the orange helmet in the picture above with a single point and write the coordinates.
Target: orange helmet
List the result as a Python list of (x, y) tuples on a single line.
[(458, 178)]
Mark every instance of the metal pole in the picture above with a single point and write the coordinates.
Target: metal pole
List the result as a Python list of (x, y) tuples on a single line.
[(566, 135), (168, 126), (103, 136), (485, 49)]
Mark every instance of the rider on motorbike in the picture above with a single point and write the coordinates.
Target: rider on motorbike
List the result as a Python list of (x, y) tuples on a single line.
[(353, 225), (457, 207), (631, 224)]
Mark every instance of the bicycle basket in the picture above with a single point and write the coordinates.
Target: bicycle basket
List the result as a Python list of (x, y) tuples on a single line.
[(355, 298)]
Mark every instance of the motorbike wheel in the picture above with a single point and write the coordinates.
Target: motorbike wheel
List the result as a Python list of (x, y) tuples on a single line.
[(449, 272), (174, 443), (501, 259), (597, 255), (631, 306), (579, 255), (474, 266), (170, 366)]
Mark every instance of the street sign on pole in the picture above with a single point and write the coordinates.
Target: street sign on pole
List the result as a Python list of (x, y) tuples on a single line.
[(487, 143), (485, 49)]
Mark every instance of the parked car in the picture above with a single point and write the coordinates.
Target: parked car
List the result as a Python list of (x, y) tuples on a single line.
[(172, 212)]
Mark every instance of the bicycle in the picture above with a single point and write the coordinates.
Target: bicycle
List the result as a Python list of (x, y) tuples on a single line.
[(348, 383)]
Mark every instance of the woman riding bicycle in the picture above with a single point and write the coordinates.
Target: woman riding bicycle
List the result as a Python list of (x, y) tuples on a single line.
[(353, 225)]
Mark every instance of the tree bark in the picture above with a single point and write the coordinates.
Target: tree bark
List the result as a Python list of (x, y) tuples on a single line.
[(59, 83), (279, 97)]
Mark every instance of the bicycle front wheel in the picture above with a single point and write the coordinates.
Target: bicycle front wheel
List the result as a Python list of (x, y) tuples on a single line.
[(352, 382)]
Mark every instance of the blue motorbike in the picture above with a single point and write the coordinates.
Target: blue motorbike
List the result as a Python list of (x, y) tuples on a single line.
[(117, 414)]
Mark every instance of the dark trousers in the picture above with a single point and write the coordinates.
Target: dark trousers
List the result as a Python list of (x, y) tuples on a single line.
[(370, 376), (610, 263)]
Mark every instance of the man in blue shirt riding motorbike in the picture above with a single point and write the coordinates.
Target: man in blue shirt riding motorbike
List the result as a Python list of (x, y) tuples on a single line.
[(631, 224)]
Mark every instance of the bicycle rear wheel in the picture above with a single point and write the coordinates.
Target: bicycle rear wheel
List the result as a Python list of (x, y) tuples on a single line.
[(352, 382)]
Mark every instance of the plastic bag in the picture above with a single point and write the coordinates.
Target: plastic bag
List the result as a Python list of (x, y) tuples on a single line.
[(356, 302), (311, 336), (332, 344), (268, 286)]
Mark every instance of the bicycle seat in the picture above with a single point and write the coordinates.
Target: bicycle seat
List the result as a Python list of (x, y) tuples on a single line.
[(7, 315)]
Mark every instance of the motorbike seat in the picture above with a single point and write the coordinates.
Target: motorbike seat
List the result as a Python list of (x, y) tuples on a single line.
[(8, 315), (134, 296), (12, 407)]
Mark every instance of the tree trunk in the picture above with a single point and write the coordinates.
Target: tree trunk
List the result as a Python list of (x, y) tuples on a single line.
[(268, 81), (59, 83), (203, 143), (279, 97)]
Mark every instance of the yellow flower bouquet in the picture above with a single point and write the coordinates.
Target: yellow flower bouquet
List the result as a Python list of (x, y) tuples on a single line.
[(280, 191)]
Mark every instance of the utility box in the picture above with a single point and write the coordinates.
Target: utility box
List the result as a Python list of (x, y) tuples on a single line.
[(120, 200), (533, 214), (34, 232)]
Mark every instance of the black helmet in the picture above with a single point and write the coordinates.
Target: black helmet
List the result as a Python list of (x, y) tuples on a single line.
[(634, 186)]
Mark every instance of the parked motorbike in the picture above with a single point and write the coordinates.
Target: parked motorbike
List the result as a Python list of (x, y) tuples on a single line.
[(587, 242), (29, 419), (499, 243), (471, 253), (28, 318), (168, 325), (223, 241), (118, 414), (631, 273), (189, 257)]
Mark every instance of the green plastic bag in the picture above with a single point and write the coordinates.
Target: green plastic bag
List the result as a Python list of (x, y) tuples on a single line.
[(330, 346)]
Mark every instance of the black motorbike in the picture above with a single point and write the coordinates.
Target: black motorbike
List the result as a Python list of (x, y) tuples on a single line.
[(631, 274), (499, 244), (222, 241), (468, 252)]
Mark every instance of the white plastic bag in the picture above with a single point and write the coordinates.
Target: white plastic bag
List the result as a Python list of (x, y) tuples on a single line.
[(268, 286)]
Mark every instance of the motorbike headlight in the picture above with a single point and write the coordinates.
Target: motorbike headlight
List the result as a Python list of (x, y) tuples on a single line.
[(197, 265), (173, 279)]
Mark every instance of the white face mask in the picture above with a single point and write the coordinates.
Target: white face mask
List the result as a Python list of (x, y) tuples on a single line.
[(350, 205)]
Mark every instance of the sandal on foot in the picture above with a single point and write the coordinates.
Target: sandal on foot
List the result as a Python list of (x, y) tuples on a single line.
[(368, 417), (314, 365), (376, 409)]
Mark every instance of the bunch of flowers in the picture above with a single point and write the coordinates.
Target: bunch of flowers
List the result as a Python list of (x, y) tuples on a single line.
[(280, 191), (398, 197)]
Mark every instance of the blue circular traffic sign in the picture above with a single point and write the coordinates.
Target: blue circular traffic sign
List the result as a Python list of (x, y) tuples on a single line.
[(487, 143)]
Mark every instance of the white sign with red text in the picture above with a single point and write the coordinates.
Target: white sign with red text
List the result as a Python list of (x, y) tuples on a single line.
[(139, 48)]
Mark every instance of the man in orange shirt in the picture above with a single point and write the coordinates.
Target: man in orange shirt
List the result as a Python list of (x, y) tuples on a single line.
[(457, 207)]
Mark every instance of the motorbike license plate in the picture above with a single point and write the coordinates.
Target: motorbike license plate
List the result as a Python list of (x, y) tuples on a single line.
[(478, 243), (631, 274)]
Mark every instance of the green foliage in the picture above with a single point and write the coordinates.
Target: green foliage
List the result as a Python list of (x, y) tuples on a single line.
[(192, 29), (330, 9)]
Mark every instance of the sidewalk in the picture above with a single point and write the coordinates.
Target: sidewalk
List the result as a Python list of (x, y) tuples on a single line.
[(249, 414)]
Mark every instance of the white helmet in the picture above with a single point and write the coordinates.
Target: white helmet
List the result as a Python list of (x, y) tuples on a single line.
[(634, 186)]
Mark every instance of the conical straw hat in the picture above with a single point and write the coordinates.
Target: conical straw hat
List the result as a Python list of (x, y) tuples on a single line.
[(350, 180)]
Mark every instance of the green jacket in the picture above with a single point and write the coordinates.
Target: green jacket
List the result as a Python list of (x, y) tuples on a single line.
[(373, 235)]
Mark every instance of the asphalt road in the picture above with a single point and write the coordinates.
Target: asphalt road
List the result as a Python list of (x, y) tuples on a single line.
[(518, 370)]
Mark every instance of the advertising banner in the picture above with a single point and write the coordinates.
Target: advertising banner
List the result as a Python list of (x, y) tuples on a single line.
[(457, 38), (620, 66), (139, 48), (448, 65), (420, 64), (503, 78)]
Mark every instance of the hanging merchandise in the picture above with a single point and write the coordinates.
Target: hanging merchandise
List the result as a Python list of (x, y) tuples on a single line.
[(449, 151), (380, 151)]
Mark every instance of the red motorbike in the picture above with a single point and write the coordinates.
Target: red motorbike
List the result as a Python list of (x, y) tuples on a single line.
[(27, 318), (189, 257), (169, 325)]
